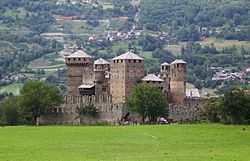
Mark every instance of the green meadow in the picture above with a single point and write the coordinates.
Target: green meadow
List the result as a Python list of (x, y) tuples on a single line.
[(163, 142)]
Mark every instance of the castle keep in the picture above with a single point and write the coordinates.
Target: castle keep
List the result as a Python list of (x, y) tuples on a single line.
[(106, 85)]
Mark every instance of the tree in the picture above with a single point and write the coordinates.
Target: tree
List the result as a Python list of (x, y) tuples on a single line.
[(235, 106), (211, 111), (38, 98), (9, 111), (148, 101), (83, 111)]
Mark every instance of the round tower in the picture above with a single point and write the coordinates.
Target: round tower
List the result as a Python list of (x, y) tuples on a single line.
[(165, 70), (79, 68), (165, 75), (101, 72), (178, 81), (101, 68)]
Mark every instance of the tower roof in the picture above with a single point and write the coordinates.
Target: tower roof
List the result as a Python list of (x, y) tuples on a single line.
[(178, 61), (79, 54), (165, 64), (101, 61), (152, 78), (128, 56)]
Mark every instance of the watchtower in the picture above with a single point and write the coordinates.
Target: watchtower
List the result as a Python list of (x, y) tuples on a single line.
[(79, 68), (101, 72), (126, 71), (165, 75), (178, 82)]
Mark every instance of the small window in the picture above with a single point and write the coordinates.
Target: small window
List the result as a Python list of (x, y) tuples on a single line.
[(74, 59), (121, 61), (139, 61), (129, 61), (104, 88), (134, 61), (68, 59), (79, 59)]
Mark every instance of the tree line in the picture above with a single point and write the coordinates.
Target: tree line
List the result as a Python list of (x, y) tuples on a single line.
[(36, 99), (232, 108)]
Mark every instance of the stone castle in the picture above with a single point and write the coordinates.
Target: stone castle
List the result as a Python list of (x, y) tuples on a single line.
[(106, 85)]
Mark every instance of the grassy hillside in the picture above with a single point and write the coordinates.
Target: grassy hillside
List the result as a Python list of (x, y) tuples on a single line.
[(170, 142)]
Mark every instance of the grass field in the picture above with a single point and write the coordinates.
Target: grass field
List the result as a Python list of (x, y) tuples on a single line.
[(218, 43), (166, 142), (12, 88)]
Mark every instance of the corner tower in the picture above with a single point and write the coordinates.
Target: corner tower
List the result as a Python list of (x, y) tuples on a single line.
[(178, 82), (126, 71), (79, 68)]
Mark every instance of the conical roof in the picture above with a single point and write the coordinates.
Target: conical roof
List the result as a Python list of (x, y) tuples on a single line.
[(128, 56), (152, 78), (177, 61), (79, 54), (165, 64), (100, 61)]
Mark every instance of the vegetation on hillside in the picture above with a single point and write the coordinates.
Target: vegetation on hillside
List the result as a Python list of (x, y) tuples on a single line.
[(184, 18)]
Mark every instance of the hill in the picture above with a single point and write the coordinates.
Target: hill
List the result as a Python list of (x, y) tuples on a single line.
[(184, 18)]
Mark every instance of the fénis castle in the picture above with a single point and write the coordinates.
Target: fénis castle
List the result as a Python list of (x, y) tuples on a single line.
[(106, 85)]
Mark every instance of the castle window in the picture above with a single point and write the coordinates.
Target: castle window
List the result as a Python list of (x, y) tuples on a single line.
[(84, 59), (79, 59), (74, 59), (104, 88), (121, 61), (134, 61), (129, 61), (139, 61), (162, 68), (69, 59)]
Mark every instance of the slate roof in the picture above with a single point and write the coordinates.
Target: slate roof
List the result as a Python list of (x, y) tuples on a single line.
[(165, 64), (100, 61), (86, 86), (152, 78), (177, 61), (128, 56), (79, 54), (192, 93)]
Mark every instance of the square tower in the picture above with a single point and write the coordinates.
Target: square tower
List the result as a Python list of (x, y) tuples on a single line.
[(79, 69), (126, 71)]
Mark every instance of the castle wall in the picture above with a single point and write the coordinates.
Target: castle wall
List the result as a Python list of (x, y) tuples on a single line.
[(107, 113), (188, 112)]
